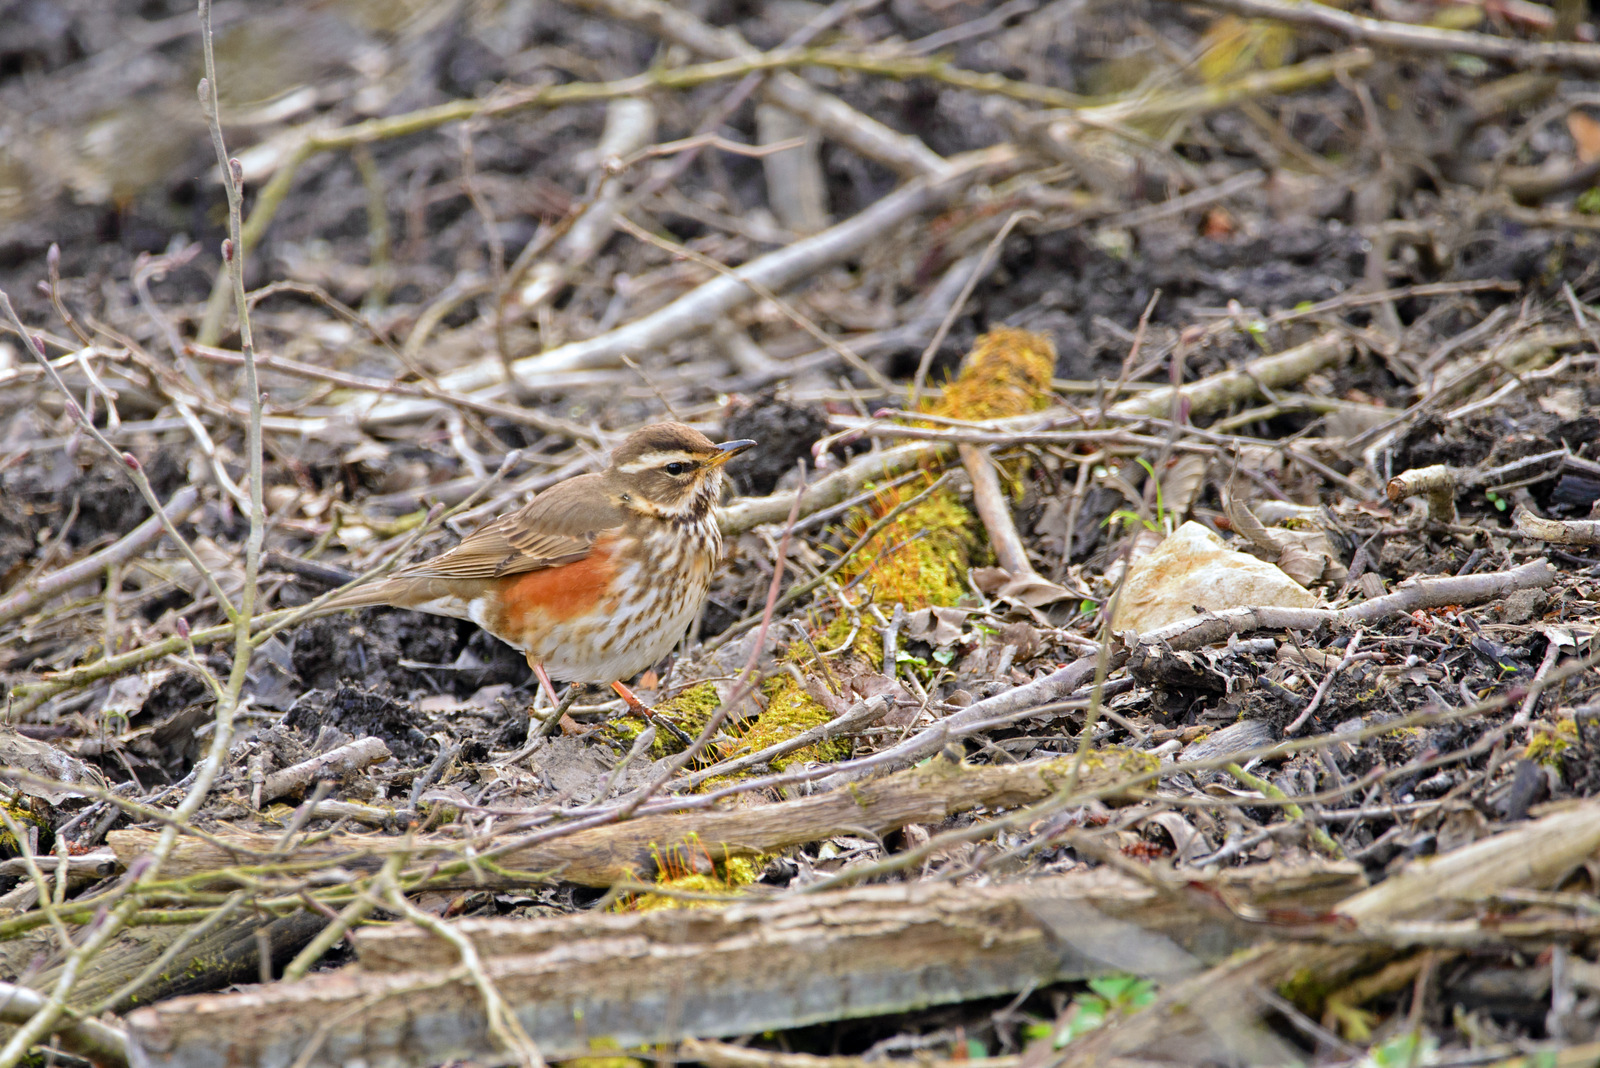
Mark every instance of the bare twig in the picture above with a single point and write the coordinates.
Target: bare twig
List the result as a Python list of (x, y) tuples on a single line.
[(36, 591), (99, 1043), (1572, 56)]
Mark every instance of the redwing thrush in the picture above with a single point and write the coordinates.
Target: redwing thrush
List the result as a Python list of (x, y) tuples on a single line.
[(596, 578)]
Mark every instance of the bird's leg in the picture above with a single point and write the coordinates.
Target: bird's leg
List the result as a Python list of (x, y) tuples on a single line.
[(629, 698), (648, 714), (544, 679)]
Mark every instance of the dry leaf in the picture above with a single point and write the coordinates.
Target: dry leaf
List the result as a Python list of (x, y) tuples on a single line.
[(1585, 134)]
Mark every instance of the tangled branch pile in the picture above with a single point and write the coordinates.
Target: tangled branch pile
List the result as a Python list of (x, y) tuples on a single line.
[(1174, 519)]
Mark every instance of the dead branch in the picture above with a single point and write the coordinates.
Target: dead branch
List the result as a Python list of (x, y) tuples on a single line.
[(612, 853), (832, 116), (1029, 696), (708, 303), (1557, 531), (98, 1043), (1524, 55), (1440, 483), (338, 763), (857, 716), (747, 513), (1421, 593), (1026, 586), (1244, 382), (223, 954)]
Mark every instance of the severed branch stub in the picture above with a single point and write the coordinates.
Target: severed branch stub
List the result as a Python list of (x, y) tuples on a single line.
[(1436, 482), (1440, 483)]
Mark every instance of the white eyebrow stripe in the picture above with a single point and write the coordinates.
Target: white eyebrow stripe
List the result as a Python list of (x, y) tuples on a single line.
[(657, 459)]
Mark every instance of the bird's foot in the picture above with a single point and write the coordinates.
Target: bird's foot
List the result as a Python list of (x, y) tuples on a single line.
[(648, 714)]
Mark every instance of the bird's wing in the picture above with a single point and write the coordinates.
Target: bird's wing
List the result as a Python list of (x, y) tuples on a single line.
[(559, 526)]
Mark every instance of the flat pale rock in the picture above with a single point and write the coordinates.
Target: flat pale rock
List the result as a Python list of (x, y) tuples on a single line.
[(1193, 569)]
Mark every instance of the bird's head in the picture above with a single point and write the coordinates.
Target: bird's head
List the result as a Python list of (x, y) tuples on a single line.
[(669, 470)]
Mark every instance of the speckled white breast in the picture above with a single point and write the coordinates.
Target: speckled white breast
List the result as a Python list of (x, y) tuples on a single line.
[(635, 630)]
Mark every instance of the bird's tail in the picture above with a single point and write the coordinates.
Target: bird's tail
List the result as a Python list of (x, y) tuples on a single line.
[(373, 593)]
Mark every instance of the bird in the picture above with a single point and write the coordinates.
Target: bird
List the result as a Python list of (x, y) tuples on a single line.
[(595, 578)]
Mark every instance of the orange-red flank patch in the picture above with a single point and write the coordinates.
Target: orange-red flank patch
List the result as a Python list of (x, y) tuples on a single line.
[(560, 593)]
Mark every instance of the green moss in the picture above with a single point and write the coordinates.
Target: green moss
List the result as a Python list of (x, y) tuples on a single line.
[(607, 1054), (867, 643), (615, 1061), (791, 711), (22, 810), (1306, 991), (921, 558)]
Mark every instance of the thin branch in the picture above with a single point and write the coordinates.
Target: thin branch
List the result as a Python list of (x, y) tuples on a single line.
[(1572, 56)]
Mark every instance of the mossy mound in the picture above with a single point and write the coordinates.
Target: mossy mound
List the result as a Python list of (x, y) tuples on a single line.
[(791, 711), (1007, 373), (920, 558)]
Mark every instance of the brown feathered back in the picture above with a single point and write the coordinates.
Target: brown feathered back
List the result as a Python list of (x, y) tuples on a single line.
[(559, 526)]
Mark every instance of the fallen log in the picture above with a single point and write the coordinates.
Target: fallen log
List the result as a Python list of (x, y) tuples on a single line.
[(644, 978), (1215, 1016)]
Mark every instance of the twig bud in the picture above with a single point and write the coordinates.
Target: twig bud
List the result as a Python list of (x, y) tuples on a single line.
[(236, 169), (75, 412), (43, 287), (53, 258), (182, 626), (131, 460), (38, 345), (204, 90), (227, 250)]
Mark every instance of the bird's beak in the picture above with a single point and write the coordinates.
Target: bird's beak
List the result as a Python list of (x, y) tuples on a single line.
[(729, 449)]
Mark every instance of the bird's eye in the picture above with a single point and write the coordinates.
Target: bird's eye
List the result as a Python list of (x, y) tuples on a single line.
[(677, 467)]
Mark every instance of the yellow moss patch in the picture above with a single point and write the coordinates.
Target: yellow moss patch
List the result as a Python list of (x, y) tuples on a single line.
[(1545, 746), (25, 812), (921, 559), (867, 643), (791, 711), (607, 1055), (1007, 372), (728, 876), (613, 1061), (918, 560)]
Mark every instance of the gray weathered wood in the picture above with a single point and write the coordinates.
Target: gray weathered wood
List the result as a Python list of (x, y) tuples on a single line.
[(658, 977)]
